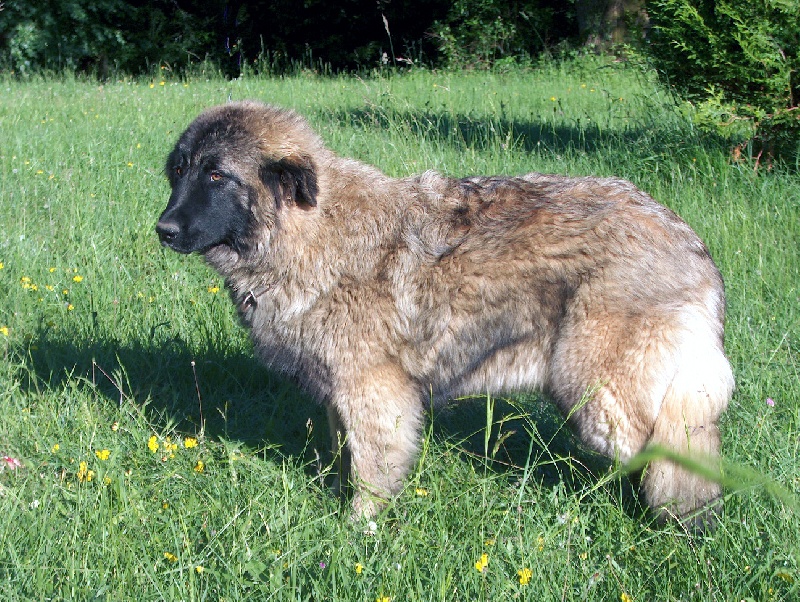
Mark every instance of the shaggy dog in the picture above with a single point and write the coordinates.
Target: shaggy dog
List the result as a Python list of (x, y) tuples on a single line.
[(376, 294)]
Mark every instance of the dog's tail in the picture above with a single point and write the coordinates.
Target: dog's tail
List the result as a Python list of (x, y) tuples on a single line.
[(687, 426)]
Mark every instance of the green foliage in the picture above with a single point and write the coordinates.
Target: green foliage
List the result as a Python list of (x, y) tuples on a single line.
[(487, 32), (740, 61), (113, 36), (101, 36)]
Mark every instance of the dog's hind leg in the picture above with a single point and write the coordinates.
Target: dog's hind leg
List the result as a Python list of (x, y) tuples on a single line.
[(687, 423), (657, 379)]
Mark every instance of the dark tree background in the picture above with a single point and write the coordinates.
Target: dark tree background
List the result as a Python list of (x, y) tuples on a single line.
[(112, 36)]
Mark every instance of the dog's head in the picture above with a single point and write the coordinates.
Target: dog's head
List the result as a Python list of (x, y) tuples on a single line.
[(234, 170)]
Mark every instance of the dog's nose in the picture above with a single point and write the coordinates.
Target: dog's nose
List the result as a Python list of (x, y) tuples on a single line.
[(167, 231)]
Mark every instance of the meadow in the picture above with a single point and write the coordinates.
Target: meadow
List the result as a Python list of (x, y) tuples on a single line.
[(147, 455)]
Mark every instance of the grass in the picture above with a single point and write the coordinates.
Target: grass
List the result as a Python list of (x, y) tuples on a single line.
[(111, 343)]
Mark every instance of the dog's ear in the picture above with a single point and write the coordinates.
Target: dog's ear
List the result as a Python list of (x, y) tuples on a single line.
[(292, 179)]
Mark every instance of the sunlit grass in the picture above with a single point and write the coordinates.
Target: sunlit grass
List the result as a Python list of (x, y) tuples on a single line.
[(125, 362)]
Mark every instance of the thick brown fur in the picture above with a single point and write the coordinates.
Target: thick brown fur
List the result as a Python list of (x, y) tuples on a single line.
[(374, 293)]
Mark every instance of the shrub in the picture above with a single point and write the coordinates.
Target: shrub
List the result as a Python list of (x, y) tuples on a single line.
[(738, 61)]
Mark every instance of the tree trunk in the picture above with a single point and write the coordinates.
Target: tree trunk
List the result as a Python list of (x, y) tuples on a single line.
[(606, 22)]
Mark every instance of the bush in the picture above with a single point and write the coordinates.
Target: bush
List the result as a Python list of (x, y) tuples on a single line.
[(738, 61)]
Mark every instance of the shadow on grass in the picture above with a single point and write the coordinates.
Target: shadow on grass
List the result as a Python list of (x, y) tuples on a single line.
[(242, 401), (583, 136)]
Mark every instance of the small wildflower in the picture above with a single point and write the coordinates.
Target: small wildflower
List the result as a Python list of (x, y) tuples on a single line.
[(77, 278), (84, 474), (51, 270), (190, 442), (2, 265), (55, 448), (383, 599), (4, 330), (770, 402), (199, 569), (540, 543), (553, 98), (625, 598), (359, 568), (170, 556), (200, 466), (115, 426), (213, 290), (422, 492), (152, 444), (70, 307), (106, 480), (130, 164), (482, 563), (525, 576), (102, 454), (322, 565), (10, 463)]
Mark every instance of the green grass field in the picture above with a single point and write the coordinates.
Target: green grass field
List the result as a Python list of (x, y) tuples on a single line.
[(160, 462)]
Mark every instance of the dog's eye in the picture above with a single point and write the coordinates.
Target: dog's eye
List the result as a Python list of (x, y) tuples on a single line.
[(215, 176), (179, 171)]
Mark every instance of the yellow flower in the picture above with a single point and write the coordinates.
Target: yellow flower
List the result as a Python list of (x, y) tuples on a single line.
[(169, 446), (152, 86), (553, 98), (152, 444), (2, 265), (422, 492), (51, 270), (200, 466), (625, 598), (4, 330), (190, 442), (524, 576), (55, 448), (77, 278), (102, 454), (383, 599), (213, 290), (70, 307), (540, 543), (84, 474), (199, 569), (130, 164), (171, 557), (359, 568), (482, 563)]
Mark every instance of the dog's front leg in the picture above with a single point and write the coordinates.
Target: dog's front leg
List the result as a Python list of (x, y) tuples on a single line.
[(381, 413)]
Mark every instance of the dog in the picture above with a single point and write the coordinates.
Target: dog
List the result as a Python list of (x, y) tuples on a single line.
[(380, 296)]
